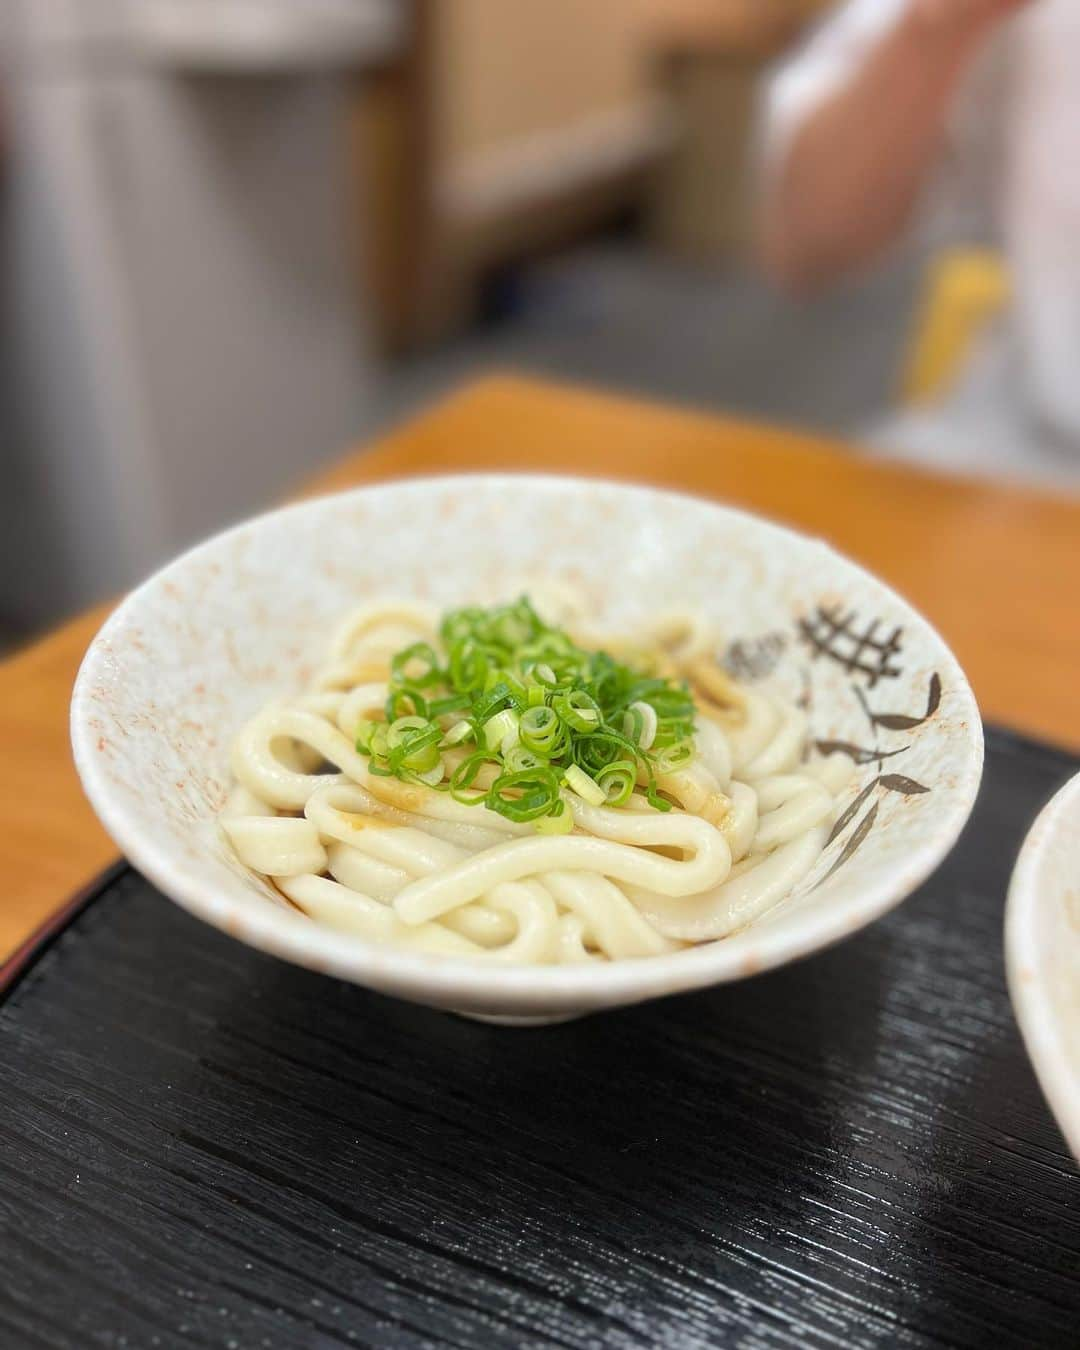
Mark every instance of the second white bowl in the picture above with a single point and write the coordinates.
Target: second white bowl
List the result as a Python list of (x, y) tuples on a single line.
[(1042, 954)]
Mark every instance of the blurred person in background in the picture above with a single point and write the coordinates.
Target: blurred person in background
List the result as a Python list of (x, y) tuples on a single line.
[(966, 111)]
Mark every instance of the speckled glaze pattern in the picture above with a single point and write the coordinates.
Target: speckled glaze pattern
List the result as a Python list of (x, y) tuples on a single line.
[(245, 617), (1042, 952)]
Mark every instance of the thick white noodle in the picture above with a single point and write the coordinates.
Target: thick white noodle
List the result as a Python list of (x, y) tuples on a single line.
[(783, 749), (276, 846), (741, 899), (397, 625), (359, 871), (379, 858), (355, 869), (685, 637), (609, 920), (835, 771), (373, 856), (789, 805), (240, 802), (350, 911), (571, 948), (696, 790), (398, 863), (517, 858), (714, 751), (742, 820), (760, 720)]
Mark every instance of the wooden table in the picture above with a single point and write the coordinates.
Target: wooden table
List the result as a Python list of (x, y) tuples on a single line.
[(996, 569)]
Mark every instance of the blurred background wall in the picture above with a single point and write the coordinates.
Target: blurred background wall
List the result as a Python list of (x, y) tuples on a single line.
[(520, 126), (238, 235)]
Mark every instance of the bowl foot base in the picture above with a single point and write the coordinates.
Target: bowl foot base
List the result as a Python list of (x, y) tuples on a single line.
[(502, 1020)]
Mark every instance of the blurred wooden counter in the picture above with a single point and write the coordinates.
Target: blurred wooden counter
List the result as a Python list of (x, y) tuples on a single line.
[(994, 568)]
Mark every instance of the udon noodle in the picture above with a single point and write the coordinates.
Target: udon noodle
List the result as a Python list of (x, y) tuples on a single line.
[(703, 841)]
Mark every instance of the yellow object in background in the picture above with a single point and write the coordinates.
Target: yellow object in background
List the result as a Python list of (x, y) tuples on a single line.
[(966, 289)]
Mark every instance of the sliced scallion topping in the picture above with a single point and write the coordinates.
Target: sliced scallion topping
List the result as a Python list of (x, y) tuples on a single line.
[(458, 733), (645, 721), (617, 782), (524, 796), (501, 731), (588, 789), (533, 713), (560, 821), (541, 731)]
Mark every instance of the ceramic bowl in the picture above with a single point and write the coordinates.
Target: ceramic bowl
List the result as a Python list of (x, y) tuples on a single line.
[(1042, 954), (201, 645)]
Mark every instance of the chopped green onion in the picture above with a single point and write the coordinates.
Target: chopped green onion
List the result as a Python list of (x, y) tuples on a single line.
[(588, 789), (645, 715), (517, 759), (465, 775), (468, 667), (497, 677), (365, 734), (459, 624), (578, 710), (617, 782), (417, 665), (405, 702), (501, 731), (674, 757), (401, 725), (560, 821), (537, 712), (541, 730), (413, 744), (460, 731), (534, 794), (439, 707), (598, 749), (494, 700), (432, 777)]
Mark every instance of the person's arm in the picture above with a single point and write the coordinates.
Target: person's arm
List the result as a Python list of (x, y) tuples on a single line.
[(853, 171)]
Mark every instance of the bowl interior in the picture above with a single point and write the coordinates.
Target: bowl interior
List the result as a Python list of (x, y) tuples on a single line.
[(1043, 954), (246, 616)]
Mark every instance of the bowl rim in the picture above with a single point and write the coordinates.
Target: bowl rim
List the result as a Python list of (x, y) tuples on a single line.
[(465, 984), (1036, 1014)]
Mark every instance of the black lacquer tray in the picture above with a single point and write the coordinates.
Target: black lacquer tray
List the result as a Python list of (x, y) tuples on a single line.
[(202, 1146)]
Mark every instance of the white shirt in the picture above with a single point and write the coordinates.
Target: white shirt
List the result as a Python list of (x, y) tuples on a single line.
[(1010, 175)]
